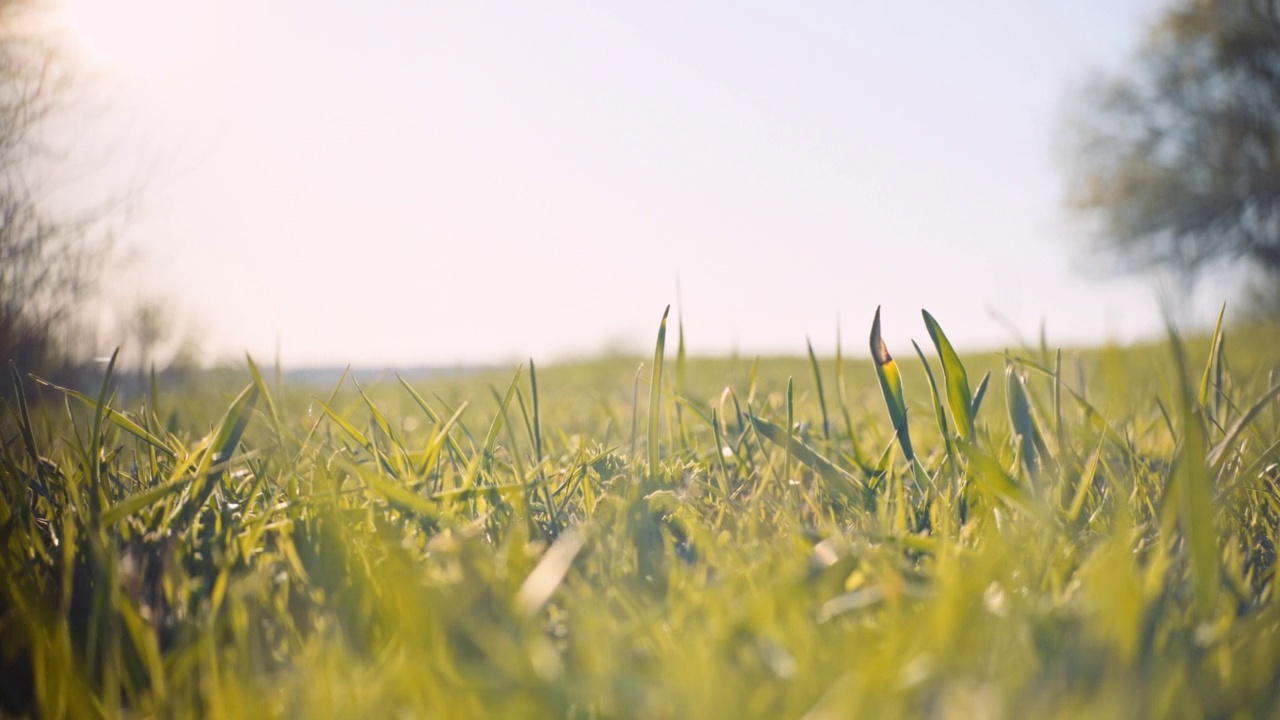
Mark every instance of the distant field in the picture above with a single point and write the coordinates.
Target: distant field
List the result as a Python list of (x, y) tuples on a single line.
[(1082, 533)]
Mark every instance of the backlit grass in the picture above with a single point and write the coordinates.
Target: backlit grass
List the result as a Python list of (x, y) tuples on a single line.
[(1037, 534)]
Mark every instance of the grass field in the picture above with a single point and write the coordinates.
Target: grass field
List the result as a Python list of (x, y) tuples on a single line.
[(1040, 534)]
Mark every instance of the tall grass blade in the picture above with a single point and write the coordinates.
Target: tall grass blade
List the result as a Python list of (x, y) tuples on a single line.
[(222, 444), (1215, 347), (655, 393), (891, 388), (346, 426), (996, 484), (680, 370), (24, 415), (1085, 483), (97, 497), (791, 428), (979, 394), (231, 429), (839, 480), (491, 437), (955, 378), (396, 495), (822, 398), (118, 419), (1026, 432), (1218, 453), (939, 413), (1195, 507), (276, 422), (452, 444), (537, 415)]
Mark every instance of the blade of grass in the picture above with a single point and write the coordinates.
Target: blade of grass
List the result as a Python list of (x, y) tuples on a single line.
[(655, 394), (1026, 433), (939, 413), (1218, 453), (980, 393), (222, 445), (822, 400), (996, 484), (24, 415), (116, 418), (955, 378), (841, 481), (96, 497), (491, 437), (680, 369), (1195, 507), (891, 388), (791, 428), (1215, 347)]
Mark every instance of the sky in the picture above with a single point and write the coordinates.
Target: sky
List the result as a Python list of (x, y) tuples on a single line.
[(422, 182)]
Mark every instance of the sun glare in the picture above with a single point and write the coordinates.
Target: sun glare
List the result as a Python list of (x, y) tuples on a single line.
[(142, 39)]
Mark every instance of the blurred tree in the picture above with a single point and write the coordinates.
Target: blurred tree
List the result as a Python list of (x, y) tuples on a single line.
[(1178, 160), (49, 260)]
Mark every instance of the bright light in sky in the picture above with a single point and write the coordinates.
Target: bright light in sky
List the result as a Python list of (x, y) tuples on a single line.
[(141, 39), (421, 182)]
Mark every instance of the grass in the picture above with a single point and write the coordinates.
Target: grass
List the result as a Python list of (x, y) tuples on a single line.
[(1081, 534)]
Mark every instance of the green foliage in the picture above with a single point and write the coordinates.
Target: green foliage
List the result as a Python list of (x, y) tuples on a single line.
[(1174, 161), (407, 549)]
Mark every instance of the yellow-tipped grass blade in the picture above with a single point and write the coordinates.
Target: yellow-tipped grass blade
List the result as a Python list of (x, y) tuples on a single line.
[(891, 387)]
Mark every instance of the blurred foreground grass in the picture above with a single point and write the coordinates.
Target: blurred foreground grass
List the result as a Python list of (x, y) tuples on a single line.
[(1037, 534)]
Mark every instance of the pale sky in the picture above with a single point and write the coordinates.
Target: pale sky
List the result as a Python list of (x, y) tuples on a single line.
[(419, 182)]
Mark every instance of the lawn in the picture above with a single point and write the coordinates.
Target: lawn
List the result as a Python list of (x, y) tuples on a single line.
[(1036, 533)]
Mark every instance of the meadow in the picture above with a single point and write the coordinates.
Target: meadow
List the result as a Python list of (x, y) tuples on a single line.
[(1035, 533)]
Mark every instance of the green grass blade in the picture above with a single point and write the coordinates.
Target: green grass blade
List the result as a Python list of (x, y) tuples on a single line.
[(1195, 506), (231, 429), (655, 393), (635, 410), (891, 388), (680, 372), (116, 418), (838, 479), (100, 412), (222, 444), (939, 413), (491, 437), (955, 378), (395, 494), (440, 439), (1085, 483), (791, 428), (1026, 432), (979, 394), (1215, 347), (994, 482), (430, 412), (345, 425), (1219, 451), (536, 425), (178, 479), (276, 423), (822, 399), (24, 415)]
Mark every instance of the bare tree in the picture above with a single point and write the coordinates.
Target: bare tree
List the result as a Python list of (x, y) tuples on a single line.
[(1177, 162), (49, 260)]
